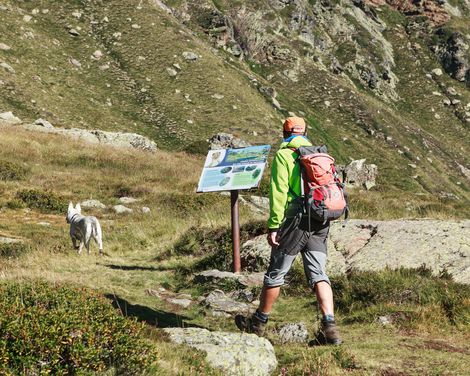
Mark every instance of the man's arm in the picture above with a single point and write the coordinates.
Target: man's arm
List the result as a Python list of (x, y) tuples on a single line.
[(278, 189)]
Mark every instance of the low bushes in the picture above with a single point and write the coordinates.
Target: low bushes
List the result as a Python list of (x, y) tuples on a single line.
[(44, 201), (12, 171), (46, 329)]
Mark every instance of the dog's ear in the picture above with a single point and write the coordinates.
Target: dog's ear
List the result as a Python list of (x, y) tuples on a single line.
[(78, 208), (70, 206)]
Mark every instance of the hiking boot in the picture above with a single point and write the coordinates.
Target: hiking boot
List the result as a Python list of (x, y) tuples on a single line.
[(327, 335), (250, 324)]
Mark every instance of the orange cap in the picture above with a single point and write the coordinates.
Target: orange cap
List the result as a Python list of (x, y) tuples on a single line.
[(294, 124)]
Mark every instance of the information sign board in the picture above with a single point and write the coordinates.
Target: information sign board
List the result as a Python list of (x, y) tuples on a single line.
[(233, 169)]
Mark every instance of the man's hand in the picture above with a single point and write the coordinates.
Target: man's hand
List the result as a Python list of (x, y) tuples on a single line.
[(272, 239)]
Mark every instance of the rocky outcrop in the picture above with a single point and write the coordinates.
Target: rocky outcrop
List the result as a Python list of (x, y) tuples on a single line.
[(375, 245), (232, 353), (114, 139), (454, 54), (359, 174), (226, 141)]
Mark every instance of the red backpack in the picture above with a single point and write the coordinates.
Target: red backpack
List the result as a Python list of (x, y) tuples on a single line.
[(324, 196)]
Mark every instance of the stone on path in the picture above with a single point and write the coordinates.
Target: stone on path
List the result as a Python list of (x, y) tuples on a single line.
[(232, 353)]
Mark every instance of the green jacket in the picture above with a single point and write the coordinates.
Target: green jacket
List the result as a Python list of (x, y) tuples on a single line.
[(285, 179)]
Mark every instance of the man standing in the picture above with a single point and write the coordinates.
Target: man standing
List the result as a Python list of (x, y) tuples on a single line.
[(291, 233)]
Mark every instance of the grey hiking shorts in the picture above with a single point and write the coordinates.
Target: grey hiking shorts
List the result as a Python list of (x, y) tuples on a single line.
[(295, 238)]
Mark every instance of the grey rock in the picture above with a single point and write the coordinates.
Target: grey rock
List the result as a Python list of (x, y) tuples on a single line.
[(276, 104), (7, 240), (146, 210), (261, 203), (437, 72), (171, 72), (75, 62), (4, 47), (375, 245), (234, 354), (226, 141), (7, 67), (9, 117), (43, 123), (97, 55), (27, 18), (182, 302), (121, 209), (74, 32), (358, 174), (127, 200), (92, 204), (217, 96), (191, 56), (292, 333), (115, 139), (218, 301), (215, 276), (255, 254)]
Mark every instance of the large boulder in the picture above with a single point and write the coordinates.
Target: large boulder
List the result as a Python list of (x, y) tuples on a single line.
[(233, 353), (225, 305), (359, 174), (226, 141), (255, 254), (376, 245)]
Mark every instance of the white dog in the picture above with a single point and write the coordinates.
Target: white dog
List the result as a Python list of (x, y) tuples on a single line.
[(83, 228)]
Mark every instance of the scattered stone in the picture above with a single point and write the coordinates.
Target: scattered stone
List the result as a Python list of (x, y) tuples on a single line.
[(221, 304), (327, 103), (75, 62), (92, 204), (384, 320), (127, 200), (121, 209), (97, 55), (43, 123), (7, 67), (104, 67), (135, 26), (74, 32), (437, 72), (146, 210), (45, 224), (171, 72), (177, 66), (446, 101), (292, 333), (106, 19), (117, 35), (451, 91), (9, 117), (436, 93), (185, 303), (455, 102), (412, 165), (4, 47), (233, 354), (77, 14), (226, 141), (6, 240), (217, 96), (27, 18), (276, 104), (190, 56)]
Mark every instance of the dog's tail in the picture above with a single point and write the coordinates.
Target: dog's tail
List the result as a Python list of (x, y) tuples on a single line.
[(97, 234)]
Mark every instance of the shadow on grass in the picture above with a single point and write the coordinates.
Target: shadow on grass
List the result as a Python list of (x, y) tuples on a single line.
[(135, 267), (160, 319)]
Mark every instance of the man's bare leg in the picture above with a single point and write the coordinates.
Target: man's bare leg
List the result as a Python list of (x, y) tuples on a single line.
[(324, 295), (268, 297)]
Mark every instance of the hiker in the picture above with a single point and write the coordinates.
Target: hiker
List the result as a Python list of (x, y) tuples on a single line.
[(292, 232)]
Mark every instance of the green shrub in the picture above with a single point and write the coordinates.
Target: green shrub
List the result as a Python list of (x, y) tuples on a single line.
[(60, 330), (44, 201), (13, 249), (12, 171), (15, 204)]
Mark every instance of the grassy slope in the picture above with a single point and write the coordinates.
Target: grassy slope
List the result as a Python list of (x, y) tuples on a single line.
[(135, 243), (142, 95)]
